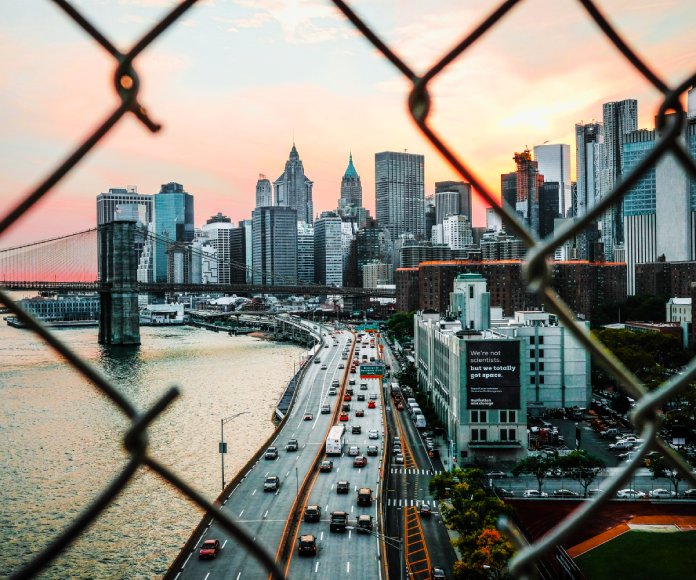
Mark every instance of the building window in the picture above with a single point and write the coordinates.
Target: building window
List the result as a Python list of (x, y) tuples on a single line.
[(532, 353), (541, 380), (532, 367), (471, 291), (508, 416), (479, 434), (540, 340), (532, 379), (479, 416), (508, 434), (541, 353), (541, 366)]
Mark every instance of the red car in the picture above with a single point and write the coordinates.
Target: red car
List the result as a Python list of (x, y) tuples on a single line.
[(359, 413), (360, 461), (371, 405), (347, 397), (343, 417), (209, 549)]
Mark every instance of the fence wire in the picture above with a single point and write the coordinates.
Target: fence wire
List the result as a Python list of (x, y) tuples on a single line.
[(645, 416)]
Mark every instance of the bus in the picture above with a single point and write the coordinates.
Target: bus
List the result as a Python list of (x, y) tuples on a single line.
[(334, 441)]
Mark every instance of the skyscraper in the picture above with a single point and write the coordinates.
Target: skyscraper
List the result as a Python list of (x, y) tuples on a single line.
[(173, 223), (463, 189), (400, 193), (124, 202), (351, 188), (446, 204), (274, 235), (294, 189), (217, 232), (589, 161), (328, 253), (264, 192), (521, 189), (305, 253), (553, 162), (620, 118)]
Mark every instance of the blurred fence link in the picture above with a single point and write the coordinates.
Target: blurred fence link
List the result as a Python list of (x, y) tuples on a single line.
[(645, 416)]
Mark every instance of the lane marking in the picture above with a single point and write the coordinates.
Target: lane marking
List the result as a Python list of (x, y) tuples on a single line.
[(347, 567), (223, 545), (264, 515), (239, 575), (187, 559), (240, 514), (316, 567), (206, 576)]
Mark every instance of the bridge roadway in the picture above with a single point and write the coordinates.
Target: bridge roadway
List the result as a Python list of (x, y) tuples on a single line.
[(264, 514), (349, 554)]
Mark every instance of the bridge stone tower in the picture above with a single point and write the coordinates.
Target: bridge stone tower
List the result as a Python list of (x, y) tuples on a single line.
[(119, 322)]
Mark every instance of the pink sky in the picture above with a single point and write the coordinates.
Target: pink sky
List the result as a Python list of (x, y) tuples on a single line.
[(234, 80)]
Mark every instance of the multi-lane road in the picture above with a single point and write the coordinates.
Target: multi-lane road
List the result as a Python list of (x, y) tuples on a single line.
[(265, 514), (411, 543)]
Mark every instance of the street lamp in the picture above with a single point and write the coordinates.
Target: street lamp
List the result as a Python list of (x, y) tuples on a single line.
[(223, 445), (397, 543)]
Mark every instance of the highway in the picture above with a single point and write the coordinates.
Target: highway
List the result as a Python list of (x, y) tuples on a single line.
[(349, 554), (264, 514)]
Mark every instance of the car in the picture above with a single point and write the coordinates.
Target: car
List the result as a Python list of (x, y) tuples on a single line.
[(373, 396), (339, 520), (437, 573), (323, 367), (291, 445), (593, 492), (325, 409), (332, 392), (425, 510), (565, 493), (373, 434), (534, 493), (371, 405), (271, 453), (341, 365), (629, 494), (307, 545), (364, 524), (351, 382), (360, 412), (342, 487), (360, 461), (317, 361), (352, 370), (271, 483), (361, 396), (209, 549), (312, 513), (501, 492), (689, 494), (662, 494), (349, 390), (343, 417), (434, 453), (335, 383), (372, 450), (308, 417), (326, 346), (354, 451), (345, 407), (326, 466), (363, 386), (356, 430), (399, 459), (347, 397)]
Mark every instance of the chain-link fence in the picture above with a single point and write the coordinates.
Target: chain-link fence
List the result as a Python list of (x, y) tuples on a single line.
[(645, 416)]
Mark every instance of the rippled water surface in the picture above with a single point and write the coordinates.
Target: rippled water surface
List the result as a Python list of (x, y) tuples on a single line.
[(60, 441)]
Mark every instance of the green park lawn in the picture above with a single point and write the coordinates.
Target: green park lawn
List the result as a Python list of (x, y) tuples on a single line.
[(642, 556)]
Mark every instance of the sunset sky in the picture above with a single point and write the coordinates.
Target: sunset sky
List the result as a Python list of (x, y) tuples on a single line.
[(235, 79)]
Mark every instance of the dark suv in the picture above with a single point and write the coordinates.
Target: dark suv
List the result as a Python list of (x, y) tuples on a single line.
[(312, 513), (339, 520), (342, 487), (307, 546)]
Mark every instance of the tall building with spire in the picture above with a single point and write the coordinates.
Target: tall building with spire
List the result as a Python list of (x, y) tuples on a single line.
[(294, 189), (350, 207), (351, 188)]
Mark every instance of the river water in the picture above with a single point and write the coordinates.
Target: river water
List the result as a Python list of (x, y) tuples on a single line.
[(60, 441)]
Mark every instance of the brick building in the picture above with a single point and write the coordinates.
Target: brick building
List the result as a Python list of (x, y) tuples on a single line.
[(665, 278)]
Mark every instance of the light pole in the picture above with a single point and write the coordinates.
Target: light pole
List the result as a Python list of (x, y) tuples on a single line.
[(397, 543), (223, 445)]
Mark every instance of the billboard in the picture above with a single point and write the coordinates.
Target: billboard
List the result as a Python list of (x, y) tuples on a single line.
[(493, 374)]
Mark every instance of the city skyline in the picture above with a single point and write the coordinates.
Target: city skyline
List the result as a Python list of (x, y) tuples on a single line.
[(221, 131)]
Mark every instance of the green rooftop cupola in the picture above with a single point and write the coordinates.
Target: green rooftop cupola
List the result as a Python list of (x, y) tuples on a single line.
[(350, 170)]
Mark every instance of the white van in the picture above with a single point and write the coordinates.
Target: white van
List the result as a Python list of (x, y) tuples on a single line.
[(419, 420), (410, 401), (416, 410)]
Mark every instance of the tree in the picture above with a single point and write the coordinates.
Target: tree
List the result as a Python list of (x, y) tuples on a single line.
[(535, 465), (582, 467), (400, 324), (660, 468), (487, 558), (408, 376)]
